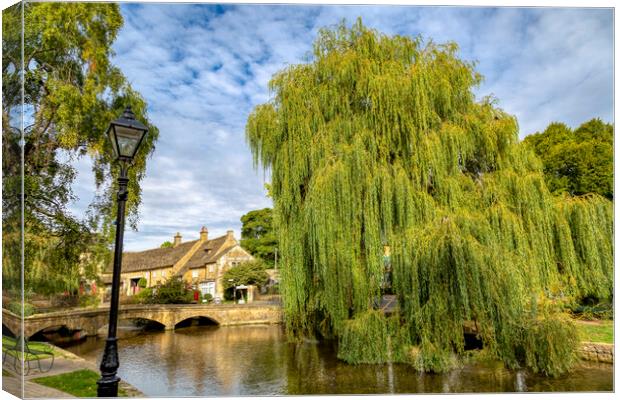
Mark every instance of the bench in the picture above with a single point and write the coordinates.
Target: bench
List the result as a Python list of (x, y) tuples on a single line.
[(29, 354)]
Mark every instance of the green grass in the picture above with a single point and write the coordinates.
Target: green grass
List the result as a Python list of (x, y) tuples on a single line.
[(37, 346), (80, 383), (600, 332)]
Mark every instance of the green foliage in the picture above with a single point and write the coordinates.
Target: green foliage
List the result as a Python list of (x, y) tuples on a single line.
[(208, 297), (71, 93), (247, 273), (142, 282), (378, 141), (548, 345), (582, 235), (16, 308), (373, 338), (577, 162), (172, 291), (258, 235), (90, 301), (365, 339), (431, 358), (166, 244), (145, 296)]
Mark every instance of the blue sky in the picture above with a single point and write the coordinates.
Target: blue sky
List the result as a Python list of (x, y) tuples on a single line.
[(202, 68)]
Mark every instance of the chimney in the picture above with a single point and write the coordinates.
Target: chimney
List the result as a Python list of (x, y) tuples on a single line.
[(204, 234), (230, 235), (177, 240)]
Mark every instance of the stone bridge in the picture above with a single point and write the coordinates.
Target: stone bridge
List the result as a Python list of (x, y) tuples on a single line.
[(168, 315)]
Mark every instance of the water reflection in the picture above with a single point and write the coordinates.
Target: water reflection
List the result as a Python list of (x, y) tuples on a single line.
[(256, 360)]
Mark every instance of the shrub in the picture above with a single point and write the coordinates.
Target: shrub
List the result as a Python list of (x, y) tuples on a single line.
[(126, 300), (142, 283), (91, 301), (173, 291), (208, 297), (145, 296), (16, 308)]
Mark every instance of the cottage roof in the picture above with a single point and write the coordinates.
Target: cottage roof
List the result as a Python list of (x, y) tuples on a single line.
[(210, 251), (168, 256)]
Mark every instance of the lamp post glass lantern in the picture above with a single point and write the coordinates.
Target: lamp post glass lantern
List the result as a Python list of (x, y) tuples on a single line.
[(126, 135)]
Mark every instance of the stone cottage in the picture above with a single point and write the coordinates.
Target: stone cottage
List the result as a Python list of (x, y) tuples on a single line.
[(201, 262)]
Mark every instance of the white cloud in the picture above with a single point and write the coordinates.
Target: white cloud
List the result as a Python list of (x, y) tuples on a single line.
[(202, 69)]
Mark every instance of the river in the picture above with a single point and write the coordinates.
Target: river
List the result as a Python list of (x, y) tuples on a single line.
[(257, 360)]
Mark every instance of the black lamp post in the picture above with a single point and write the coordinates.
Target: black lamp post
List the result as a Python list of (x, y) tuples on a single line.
[(126, 135)]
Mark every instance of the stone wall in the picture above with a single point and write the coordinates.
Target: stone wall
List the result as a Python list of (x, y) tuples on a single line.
[(601, 352)]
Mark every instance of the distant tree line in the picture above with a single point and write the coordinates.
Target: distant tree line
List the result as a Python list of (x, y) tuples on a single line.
[(579, 161), (258, 235)]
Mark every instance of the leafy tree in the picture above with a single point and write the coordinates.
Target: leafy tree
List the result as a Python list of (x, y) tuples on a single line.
[(173, 291), (379, 140), (71, 93), (166, 244), (258, 236), (577, 162), (145, 296), (247, 273)]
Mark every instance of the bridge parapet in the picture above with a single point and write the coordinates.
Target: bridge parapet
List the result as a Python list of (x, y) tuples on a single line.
[(91, 320)]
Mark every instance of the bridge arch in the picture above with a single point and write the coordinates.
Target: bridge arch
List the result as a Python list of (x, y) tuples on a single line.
[(203, 319), (141, 315), (37, 332), (7, 331), (138, 322)]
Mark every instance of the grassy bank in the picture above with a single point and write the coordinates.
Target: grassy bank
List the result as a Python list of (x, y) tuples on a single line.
[(9, 342), (80, 383), (596, 331)]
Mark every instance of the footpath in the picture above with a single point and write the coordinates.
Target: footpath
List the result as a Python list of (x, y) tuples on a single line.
[(64, 362)]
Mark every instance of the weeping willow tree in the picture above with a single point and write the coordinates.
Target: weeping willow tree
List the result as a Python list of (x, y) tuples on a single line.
[(379, 141)]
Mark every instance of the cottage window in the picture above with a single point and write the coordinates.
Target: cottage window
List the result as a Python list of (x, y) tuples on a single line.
[(163, 274), (195, 273), (211, 268), (154, 274)]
